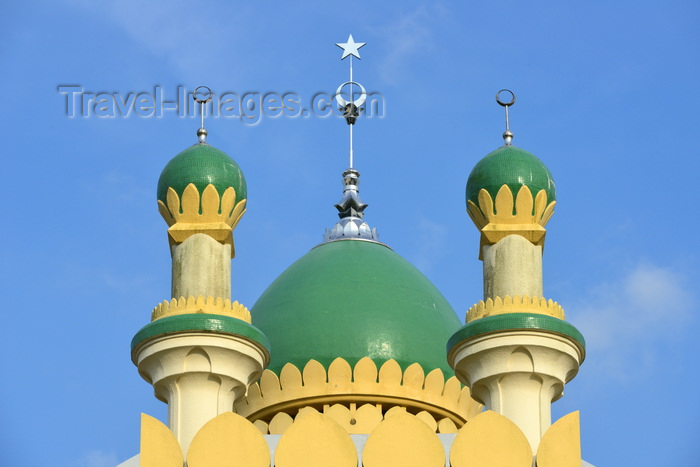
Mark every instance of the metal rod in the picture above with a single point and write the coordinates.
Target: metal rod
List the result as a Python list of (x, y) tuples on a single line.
[(352, 99), (351, 153), (352, 107), (507, 121)]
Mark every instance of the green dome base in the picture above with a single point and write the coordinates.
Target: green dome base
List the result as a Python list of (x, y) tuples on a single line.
[(517, 322), (199, 322)]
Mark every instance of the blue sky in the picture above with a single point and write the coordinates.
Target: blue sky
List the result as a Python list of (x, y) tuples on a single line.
[(606, 94)]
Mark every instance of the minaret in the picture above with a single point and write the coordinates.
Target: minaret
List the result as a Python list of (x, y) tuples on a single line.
[(516, 352), (200, 351)]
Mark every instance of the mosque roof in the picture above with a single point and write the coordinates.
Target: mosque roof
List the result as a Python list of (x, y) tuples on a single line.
[(355, 298)]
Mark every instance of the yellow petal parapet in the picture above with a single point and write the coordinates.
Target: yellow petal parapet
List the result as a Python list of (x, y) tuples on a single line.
[(448, 403), (216, 306), (516, 304)]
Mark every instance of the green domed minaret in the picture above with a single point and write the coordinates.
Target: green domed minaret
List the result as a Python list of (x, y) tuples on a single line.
[(202, 165), (511, 166), (200, 334), (510, 192), (202, 190), (516, 351)]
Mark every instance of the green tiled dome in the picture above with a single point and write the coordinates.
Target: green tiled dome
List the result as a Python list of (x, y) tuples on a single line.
[(512, 166), (351, 299), (202, 164)]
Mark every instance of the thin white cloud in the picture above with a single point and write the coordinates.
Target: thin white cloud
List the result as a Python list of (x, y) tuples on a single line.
[(624, 319), (179, 31), (98, 458), (406, 37)]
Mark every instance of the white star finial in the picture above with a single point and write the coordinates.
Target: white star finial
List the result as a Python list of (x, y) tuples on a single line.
[(350, 47)]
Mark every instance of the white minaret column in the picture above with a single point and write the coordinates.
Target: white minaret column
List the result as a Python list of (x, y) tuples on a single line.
[(518, 372), (512, 266), (201, 266), (200, 372), (200, 351), (515, 352)]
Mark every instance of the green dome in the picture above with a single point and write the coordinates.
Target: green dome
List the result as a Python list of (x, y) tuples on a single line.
[(514, 167), (202, 164), (351, 299)]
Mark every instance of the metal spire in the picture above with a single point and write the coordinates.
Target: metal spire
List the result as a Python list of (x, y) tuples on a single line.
[(351, 109), (350, 208), (199, 96), (507, 135)]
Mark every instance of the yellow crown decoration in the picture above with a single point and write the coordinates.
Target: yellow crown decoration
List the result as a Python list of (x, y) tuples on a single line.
[(384, 388), (209, 214), (216, 306), (523, 215), (517, 304)]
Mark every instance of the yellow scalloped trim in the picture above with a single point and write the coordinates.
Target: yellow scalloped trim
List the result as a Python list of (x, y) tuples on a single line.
[(403, 440), (524, 215), (228, 439), (210, 208), (355, 418), (561, 444), (209, 214), (314, 440), (517, 304), (159, 447), (385, 388), (490, 439), (216, 306)]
